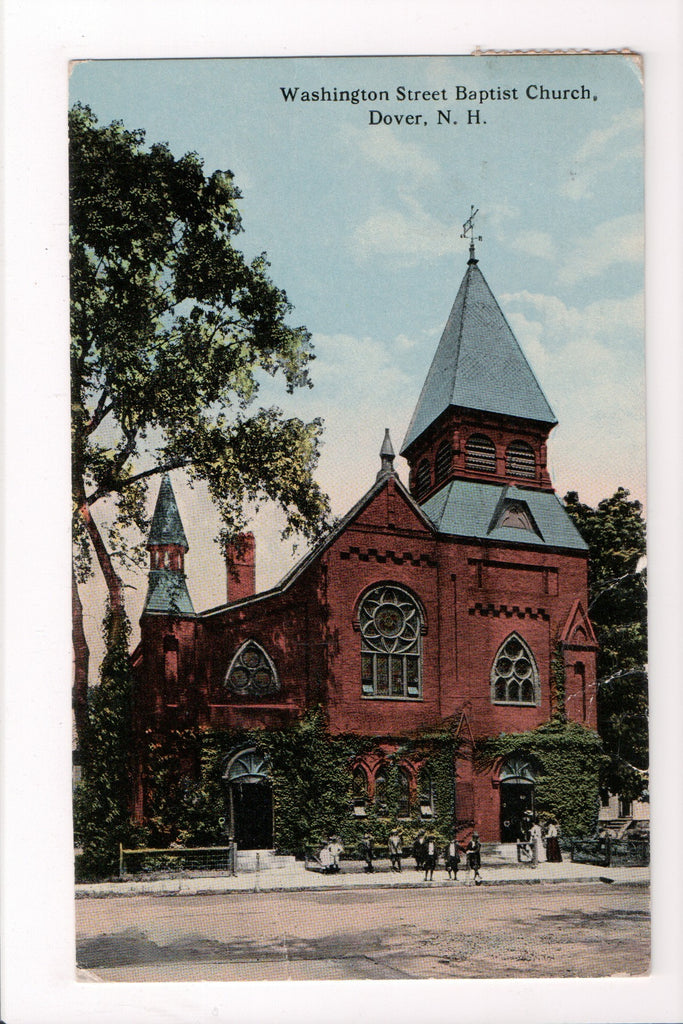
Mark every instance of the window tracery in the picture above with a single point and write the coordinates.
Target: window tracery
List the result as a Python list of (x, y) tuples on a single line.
[(390, 626), (514, 676), (252, 672)]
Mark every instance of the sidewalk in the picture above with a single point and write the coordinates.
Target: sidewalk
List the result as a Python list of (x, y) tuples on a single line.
[(296, 877)]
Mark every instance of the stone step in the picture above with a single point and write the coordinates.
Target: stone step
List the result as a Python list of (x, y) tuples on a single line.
[(262, 860)]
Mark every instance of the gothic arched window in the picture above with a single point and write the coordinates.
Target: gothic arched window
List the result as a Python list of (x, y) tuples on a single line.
[(480, 454), (520, 460), (251, 672), (423, 479), (444, 458), (391, 651), (514, 676)]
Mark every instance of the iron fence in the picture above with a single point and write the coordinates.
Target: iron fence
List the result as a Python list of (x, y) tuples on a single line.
[(609, 852), (149, 860)]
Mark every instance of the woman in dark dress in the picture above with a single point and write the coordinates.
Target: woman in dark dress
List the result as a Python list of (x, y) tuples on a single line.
[(473, 854)]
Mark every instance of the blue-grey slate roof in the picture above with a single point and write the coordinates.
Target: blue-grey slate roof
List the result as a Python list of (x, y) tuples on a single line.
[(167, 527), (465, 508), (167, 594), (478, 364)]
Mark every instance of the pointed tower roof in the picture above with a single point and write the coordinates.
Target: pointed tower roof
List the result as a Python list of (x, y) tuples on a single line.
[(478, 364), (167, 527), (387, 455)]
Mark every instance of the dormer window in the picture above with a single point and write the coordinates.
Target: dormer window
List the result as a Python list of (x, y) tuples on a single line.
[(516, 517), (480, 454), (520, 460)]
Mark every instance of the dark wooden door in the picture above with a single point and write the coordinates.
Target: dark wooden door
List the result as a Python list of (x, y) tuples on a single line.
[(253, 810), (516, 798)]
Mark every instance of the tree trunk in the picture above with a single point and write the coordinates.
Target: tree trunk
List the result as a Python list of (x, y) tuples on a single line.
[(111, 577), (81, 667)]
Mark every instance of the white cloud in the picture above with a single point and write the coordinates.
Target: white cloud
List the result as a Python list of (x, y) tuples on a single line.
[(410, 233), (602, 152), (615, 241), (383, 148), (534, 243), (589, 361)]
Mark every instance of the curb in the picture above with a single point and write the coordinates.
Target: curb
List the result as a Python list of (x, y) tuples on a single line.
[(179, 890)]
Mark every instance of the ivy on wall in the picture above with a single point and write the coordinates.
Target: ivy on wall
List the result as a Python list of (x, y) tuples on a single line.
[(568, 758), (311, 777)]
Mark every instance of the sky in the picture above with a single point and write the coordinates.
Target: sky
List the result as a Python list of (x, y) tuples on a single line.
[(362, 225)]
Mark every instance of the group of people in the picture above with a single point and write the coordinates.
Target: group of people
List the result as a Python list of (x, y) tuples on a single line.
[(426, 854), (330, 855), (540, 843)]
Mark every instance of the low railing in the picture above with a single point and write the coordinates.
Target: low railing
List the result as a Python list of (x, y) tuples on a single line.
[(177, 858), (609, 852)]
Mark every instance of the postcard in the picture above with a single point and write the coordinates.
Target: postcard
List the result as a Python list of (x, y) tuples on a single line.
[(359, 516)]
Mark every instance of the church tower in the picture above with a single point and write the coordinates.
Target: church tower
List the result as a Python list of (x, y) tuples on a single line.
[(481, 415)]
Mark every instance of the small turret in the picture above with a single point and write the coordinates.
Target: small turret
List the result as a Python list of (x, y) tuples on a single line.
[(167, 590)]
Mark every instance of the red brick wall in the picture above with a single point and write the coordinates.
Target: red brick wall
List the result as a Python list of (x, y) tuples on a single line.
[(473, 596)]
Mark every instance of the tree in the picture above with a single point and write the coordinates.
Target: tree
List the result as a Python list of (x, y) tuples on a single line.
[(172, 331), (617, 583)]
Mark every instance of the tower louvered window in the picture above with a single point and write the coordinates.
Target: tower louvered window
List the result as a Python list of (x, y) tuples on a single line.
[(423, 480), (391, 647), (480, 454), (520, 460), (444, 458), (514, 676)]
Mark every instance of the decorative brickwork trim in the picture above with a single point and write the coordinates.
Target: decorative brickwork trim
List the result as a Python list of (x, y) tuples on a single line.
[(373, 555), (508, 611)]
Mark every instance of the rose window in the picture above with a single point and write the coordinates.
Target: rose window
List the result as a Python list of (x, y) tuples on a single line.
[(391, 626)]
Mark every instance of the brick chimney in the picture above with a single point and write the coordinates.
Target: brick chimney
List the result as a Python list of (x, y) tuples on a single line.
[(240, 564)]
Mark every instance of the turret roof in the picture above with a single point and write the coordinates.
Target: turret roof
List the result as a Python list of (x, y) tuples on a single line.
[(167, 527), (478, 364)]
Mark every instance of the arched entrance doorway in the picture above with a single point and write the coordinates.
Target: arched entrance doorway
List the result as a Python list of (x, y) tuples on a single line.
[(250, 799), (517, 778)]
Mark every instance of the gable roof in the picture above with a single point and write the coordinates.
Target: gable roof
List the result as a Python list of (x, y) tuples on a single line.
[(478, 364), (342, 524), (167, 526), (465, 508)]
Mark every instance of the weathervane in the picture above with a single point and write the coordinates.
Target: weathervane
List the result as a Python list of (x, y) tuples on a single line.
[(468, 232)]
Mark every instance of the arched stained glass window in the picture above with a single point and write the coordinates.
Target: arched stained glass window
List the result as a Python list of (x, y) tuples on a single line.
[(480, 454), (514, 676), (252, 672), (444, 458), (423, 479), (520, 460), (391, 647)]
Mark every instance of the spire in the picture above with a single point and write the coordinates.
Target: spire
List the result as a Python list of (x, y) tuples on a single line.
[(387, 456), (167, 592), (167, 527), (478, 363)]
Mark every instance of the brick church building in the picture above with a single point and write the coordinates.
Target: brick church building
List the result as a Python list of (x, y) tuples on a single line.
[(445, 602)]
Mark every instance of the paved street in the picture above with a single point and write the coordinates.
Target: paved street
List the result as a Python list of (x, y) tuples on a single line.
[(589, 929)]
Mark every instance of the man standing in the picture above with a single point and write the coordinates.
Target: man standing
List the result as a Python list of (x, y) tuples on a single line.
[(367, 851), (452, 859), (395, 850)]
